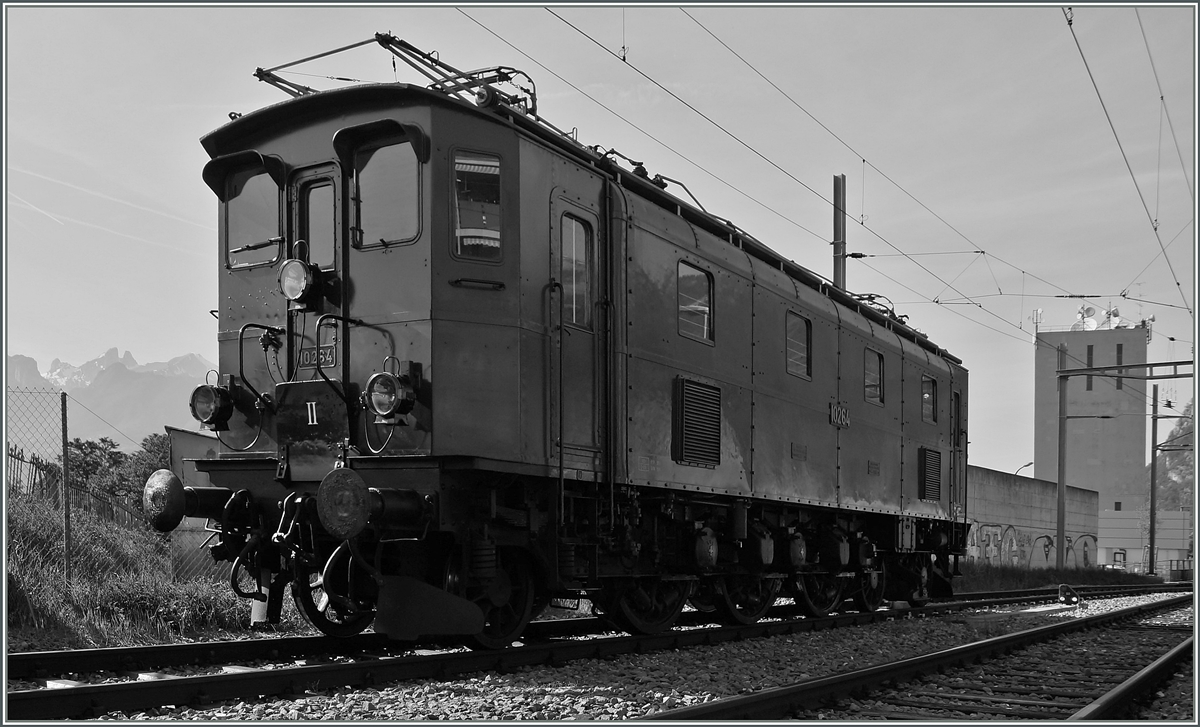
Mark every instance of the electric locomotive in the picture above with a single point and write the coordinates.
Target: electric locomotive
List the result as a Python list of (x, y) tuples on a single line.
[(468, 366)]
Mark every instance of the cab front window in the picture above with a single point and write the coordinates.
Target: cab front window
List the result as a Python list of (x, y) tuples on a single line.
[(252, 218), (386, 193)]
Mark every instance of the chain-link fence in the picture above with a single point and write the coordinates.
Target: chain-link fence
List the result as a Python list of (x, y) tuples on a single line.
[(45, 537)]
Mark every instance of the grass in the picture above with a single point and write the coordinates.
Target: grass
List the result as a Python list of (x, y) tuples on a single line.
[(987, 577), (122, 591)]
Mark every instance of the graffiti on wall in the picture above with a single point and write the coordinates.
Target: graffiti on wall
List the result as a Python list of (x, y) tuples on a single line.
[(998, 544)]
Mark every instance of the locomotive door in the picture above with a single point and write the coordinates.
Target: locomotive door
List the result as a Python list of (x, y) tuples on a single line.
[(575, 351), (316, 239), (311, 407), (958, 480)]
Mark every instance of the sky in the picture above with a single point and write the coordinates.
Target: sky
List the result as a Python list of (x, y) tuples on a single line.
[(1065, 153)]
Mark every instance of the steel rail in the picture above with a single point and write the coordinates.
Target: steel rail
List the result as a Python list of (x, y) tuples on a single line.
[(777, 702), (1112, 705), (91, 700), (42, 664)]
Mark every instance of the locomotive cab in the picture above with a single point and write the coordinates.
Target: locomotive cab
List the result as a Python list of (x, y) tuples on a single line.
[(370, 337)]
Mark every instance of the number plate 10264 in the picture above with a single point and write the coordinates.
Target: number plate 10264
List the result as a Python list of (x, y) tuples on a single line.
[(326, 356)]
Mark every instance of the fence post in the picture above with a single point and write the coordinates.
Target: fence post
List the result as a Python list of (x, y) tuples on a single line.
[(66, 494)]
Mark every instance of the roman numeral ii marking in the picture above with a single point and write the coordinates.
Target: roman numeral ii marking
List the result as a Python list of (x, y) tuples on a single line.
[(312, 413)]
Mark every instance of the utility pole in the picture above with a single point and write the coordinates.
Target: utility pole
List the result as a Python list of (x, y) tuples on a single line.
[(839, 231), (1060, 538), (66, 493), (1153, 476)]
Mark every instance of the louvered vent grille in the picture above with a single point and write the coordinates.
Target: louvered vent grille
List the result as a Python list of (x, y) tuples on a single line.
[(930, 484), (697, 430)]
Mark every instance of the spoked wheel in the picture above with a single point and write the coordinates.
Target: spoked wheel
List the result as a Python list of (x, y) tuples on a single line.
[(507, 602), (868, 589), (646, 605), (744, 599), (818, 593), (336, 616), (704, 596)]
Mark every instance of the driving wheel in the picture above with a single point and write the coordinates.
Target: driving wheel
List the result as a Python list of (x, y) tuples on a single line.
[(817, 594), (868, 589), (506, 601), (647, 605), (338, 616), (744, 599)]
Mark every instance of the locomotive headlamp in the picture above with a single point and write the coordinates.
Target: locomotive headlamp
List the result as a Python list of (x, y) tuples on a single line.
[(386, 396), (211, 406), (297, 281)]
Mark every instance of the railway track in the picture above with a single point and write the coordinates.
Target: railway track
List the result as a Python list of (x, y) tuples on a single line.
[(137, 678), (1085, 668)]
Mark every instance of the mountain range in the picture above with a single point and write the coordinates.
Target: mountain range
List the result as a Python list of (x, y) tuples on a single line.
[(110, 396)]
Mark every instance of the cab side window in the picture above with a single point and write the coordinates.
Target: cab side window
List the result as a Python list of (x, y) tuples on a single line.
[(873, 376), (477, 206), (929, 400), (576, 271), (695, 302), (799, 343)]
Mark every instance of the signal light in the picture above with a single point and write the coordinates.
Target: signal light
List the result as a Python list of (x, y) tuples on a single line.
[(211, 406)]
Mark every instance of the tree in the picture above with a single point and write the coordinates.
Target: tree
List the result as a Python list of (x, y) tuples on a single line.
[(155, 454), (1175, 487), (102, 469), (93, 465), (1175, 479)]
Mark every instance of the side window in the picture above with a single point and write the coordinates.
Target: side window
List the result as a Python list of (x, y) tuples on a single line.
[(318, 220), (799, 343), (928, 399), (695, 302), (252, 218), (477, 206), (576, 246), (386, 195), (873, 376)]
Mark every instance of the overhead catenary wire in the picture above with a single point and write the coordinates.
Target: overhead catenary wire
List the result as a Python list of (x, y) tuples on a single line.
[(762, 156), (648, 135), (1023, 339), (1152, 260), (706, 171), (1125, 158), (1163, 100), (866, 164)]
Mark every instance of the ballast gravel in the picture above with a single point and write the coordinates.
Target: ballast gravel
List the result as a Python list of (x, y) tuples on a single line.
[(626, 686)]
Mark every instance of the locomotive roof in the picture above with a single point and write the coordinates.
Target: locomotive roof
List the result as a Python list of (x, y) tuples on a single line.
[(227, 139)]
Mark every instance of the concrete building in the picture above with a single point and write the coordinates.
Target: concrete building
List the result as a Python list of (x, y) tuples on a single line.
[(1126, 541), (1109, 454)]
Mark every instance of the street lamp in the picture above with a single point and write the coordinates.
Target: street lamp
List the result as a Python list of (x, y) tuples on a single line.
[(1027, 464)]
